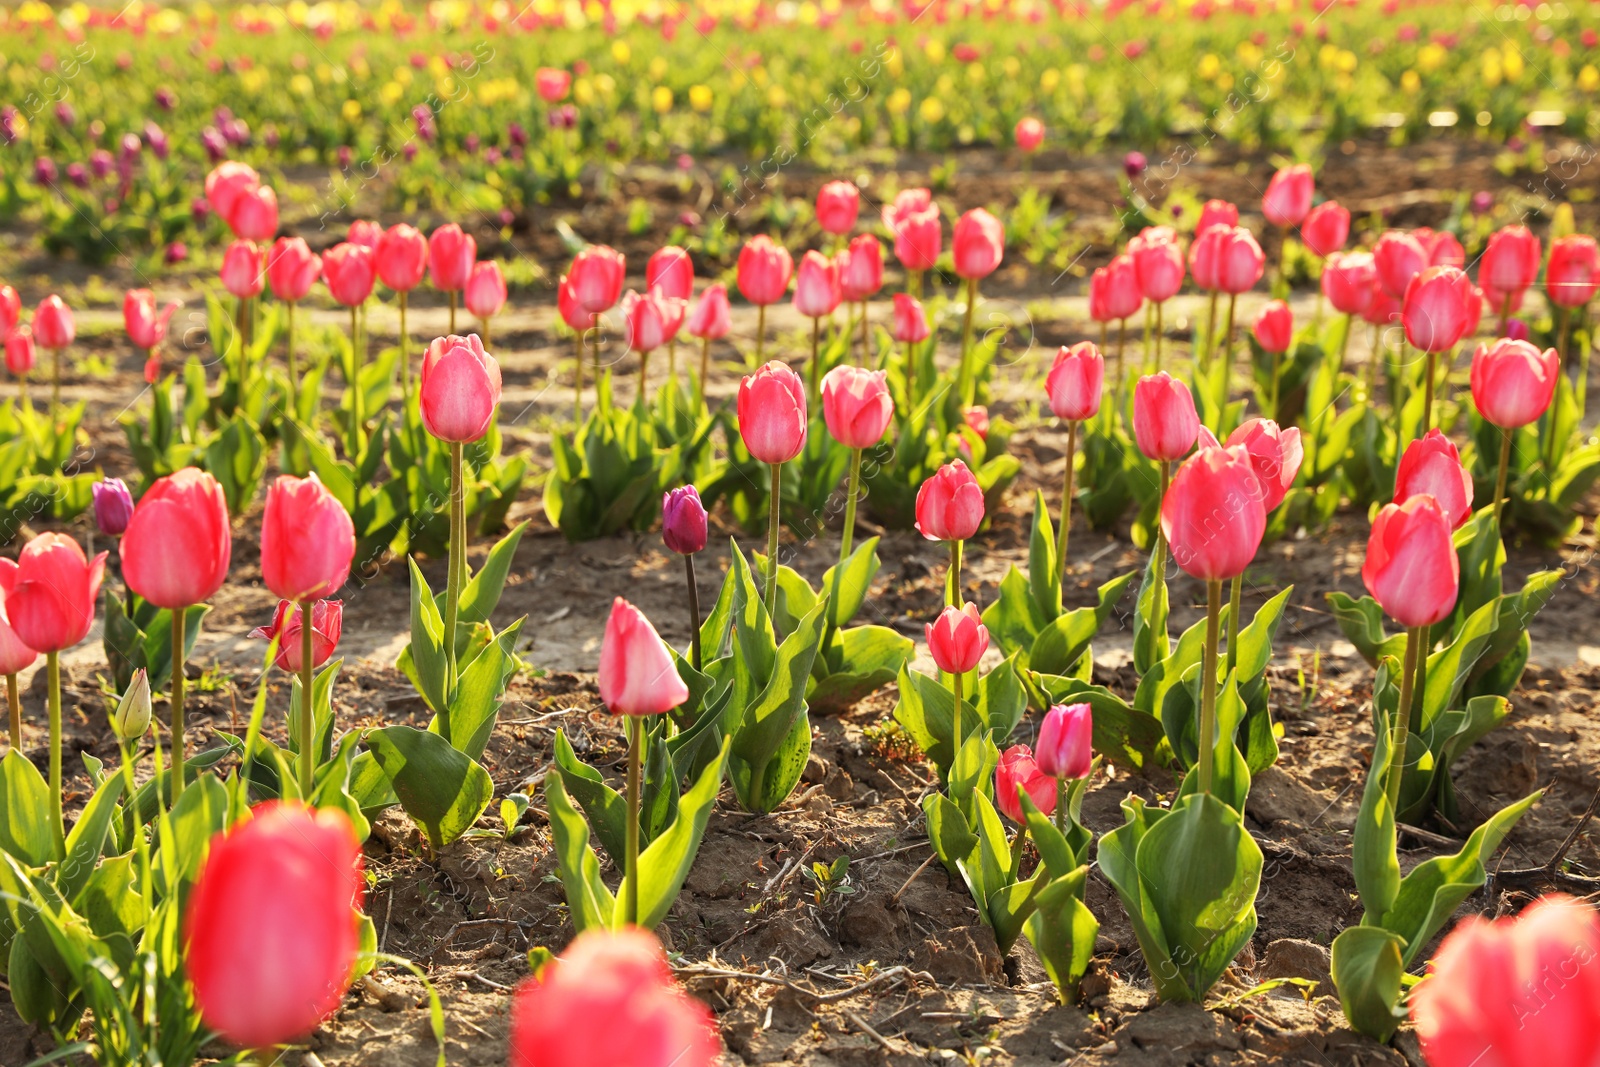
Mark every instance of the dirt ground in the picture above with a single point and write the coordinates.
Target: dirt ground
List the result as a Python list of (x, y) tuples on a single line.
[(901, 970)]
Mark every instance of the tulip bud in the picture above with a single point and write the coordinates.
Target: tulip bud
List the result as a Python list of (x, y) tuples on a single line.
[(10, 310), (1075, 382), (401, 257), (459, 388), (856, 405), (670, 271), (1017, 770), (1411, 568), (1513, 382), (1349, 280), (1029, 134), (1240, 261), (918, 240), (349, 272), (861, 269), (1165, 423), (485, 293), (451, 254), (132, 717), (113, 506), (950, 504), (241, 270), (1274, 327), (20, 353), (957, 639), (1274, 454), (816, 288), (1157, 263), (1510, 261), (1114, 291), (292, 269), (683, 520), (1573, 275), (764, 270), (637, 675), (712, 318), (1288, 196), (1432, 466), (53, 324), (977, 244), (597, 274), (910, 322), (1398, 257), (772, 413), (1213, 516), (1326, 228), (1435, 308), (838, 204), (1066, 736)]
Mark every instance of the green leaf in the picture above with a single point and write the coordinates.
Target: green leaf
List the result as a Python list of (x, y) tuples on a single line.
[(1118, 859), (482, 593), (862, 660), (665, 864), (588, 900), (475, 704), (88, 837), (1044, 573), (439, 786), (25, 830), (1150, 642), (605, 808), (425, 653), (1377, 871), (1368, 973), (854, 582), (1062, 931), (773, 736), (1361, 622), (1065, 639)]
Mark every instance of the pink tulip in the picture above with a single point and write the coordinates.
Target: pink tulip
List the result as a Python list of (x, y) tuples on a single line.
[(596, 276), (20, 354), (1434, 311), (861, 269), (1275, 456), (918, 240), (1029, 134), (366, 233), (838, 204), (977, 420), (51, 593), (637, 675), (978, 244), (1573, 275), (1349, 280), (1411, 568), (910, 321), (950, 504), (146, 326), (1513, 382), (1431, 465), (1157, 263), (15, 656), (907, 202), (1212, 515), (1326, 228), (1205, 257), (1114, 291), (53, 324), (292, 269), (957, 639), (255, 215), (1017, 770), (856, 405), (816, 286), (451, 254), (1165, 423), (176, 550), (1075, 382), (241, 271), (575, 317), (764, 270), (308, 541), (552, 84), (485, 293), (227, 183), (10, 310), (1240, 261), (327, 621), (1066, 741), (772, 413), (1274, 327), (1288, 196), (712, 318), (1441, 246), (1399, 257), (1382, 309), (1510, 262), (401, 258), (460, 388), (671, 271), (348, 270), (1216, 213), (651, 319)]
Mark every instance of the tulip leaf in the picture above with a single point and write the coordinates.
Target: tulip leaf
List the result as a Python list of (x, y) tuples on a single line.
[(862, 660), (952, 839), (1361, 622), (1013, 619), (772, 737), (423, 658), (1372, 859), (1150, 641), (665, 864), (110, 901), (1062, 931), (604, 807), (439, 786), (25, 830), (88, 837), (1009, 908), (1369, 974), (321, 712), (185, 832), (926, 711), (855, 581), (1230, 781), (1044, 573), (588, 900), (482, 592), (1449, 668), (1064, 640), (475, 704)]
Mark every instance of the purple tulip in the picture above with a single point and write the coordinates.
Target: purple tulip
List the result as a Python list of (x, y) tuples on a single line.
[(156, 138), (8, 124), (683, 520), (100, 162), (1133, 164), (65, 115), (113, 506), (177, 252), (517, 134), (216, 148), (165, 99), (44, 171), (78, 175)]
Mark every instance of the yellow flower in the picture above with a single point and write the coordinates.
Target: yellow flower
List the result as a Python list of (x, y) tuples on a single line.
[(583, 94), (975, 76), (931, 110), (300, 85), (351, 110), (935, 53), (1209, 67), (700, 97), (1431, 57), (1589, 78), (1347, 61), (1493, 72), (661, 99), (898, 101), (1513, 63), (658, 68), (1012, 68), (605, 83), (402, 75), (1411, 81), (621, 52), (391, 93), (777, 99), (1047, 82)]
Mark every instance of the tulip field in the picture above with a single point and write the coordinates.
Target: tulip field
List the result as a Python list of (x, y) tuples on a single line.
[(834, 532)]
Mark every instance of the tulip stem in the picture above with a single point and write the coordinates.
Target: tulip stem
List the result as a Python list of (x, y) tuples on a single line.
[(405, 355), (308, 721), (955, 716), (1158, 563), (14, 703), (630, 876), (1505, 312), (1227, 366), (1397, 727), (58, 826), (1061, 805), (911, 375), (354, 384), (1122, 340), (294, 376), (457, 561), (1500, 478), (452, 311), (694, 610), (1400, 404), (1066, 511), (1159, 331), (866, 337), (964, 373), (577, 380), (772, 542), (846, 536), (952, 593), (1427, 394), (914, 283), (55, 386), (705, 367), (761, 333), (1208, 684), (644, 371), (1235, 609), (178, 641), (1211, 328), (816, 360)]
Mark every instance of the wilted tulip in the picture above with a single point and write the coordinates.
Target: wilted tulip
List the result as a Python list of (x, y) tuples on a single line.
[(307, 540), (1165, 423), (838, 204), (1411, 568), (1018, 771), (327, 622), (459, 388), (1431, 465), (1066, 741), (178, 545)]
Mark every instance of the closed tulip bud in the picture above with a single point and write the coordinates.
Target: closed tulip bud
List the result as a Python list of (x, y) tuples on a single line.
[(327, 622), (227, 183), (906, 203), (1157, 263), (950, 504), (1382, 309), (856, 405), (1399, 257), (1274, 327), (1349, 280), (1510, 262), (460, 388), (1075, 382), (348, 270), (20, 353), (1240, 261), (1288, 196), (650, 319), (838, 204), (255, 215), (15, 655), (1432, 466), (366, 233), (1326, 228), (51, 592), (637, 675), (1066, 741), (610, 976), (1411, 568), (10, 310), (957, 639), (1441, 247), (241, 272), (861, 269), (1573, 275), (1018, 771), (486, 290), (1029, 134), (552, 83), (113, 506), (1205, 257), (1515, 992), (712, 317), (1134, 164), (401, 258), (1212, 515), (910, 321), (292, 269), (177, 547), (1435, 308), (53, 324), (764, 270), (918, 240), (307, 540), (816, 287), (683, 520), (977, 244), (1165, 423), (670, 271), (596, 276), (146, 326), (977, 420), (1275, 455), (1513, 382), (271, 927), (1114, 291), (132, 715), (451, 254), (772, 413), (1217, 213)]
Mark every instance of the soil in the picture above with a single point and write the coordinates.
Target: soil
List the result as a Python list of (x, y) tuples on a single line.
[(899, 970)]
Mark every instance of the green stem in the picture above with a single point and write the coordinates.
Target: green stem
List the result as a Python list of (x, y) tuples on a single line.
[(405, 354), (354, 385), (14, 703), (1500, 479), (1400, 404), (772, 540), (1227, 367), (55, 386), (177, 702), (816, 361), (964, 375), (458, 555), (761, 334), (846, 536), (307, 709), (1159, 331), (1427, 395), (1158, 553), (1208, 684), (1235, 598), (955, 717), (705, 367), (1122, 342), (577, 380), (58, 826), (1066, 511), (1211, 328), (866, 338), (694, 610), (1397, 726), (453, 299), (630, 875), (953, 579), (1061, 805), (644, 371), (294, 374)]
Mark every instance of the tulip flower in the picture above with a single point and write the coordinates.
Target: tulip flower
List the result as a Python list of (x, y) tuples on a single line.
[(957, 640), (1275, 455), (1066, 748), (21, 357), (816, 294), (1512, 385), (364, 232), (133, 713), (255, 215), (451, 254), (597, 274), (54, 329), (113, 506), (683, 529), (1349, 282), (485, 293), (10, 310), (1216, 213), (950, 508), (763, 276), (910, 328), (670, 272), (1571, 280), (292, 269), (977, 420), (1509, 265), (1274, 327), (838, 204), (1114, 295), (1074, 384), (271, 927), (1213, 518), (49, 598), (1165, 423), (1326, 228), (977, 246), (1515, 992), (604, 977), (1413, 573), (15, 656), (1287, 200), (1018, 771), (912, 219), (1398, 257), (861, 276), (1431, 465), (227, 183), (146, 326), (1029, 135), (650, 319), (710, 320), (772, 424), (857, 407), (552, 83), (288, 628), (241, 271), (1158, 268), (1435, 313)]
